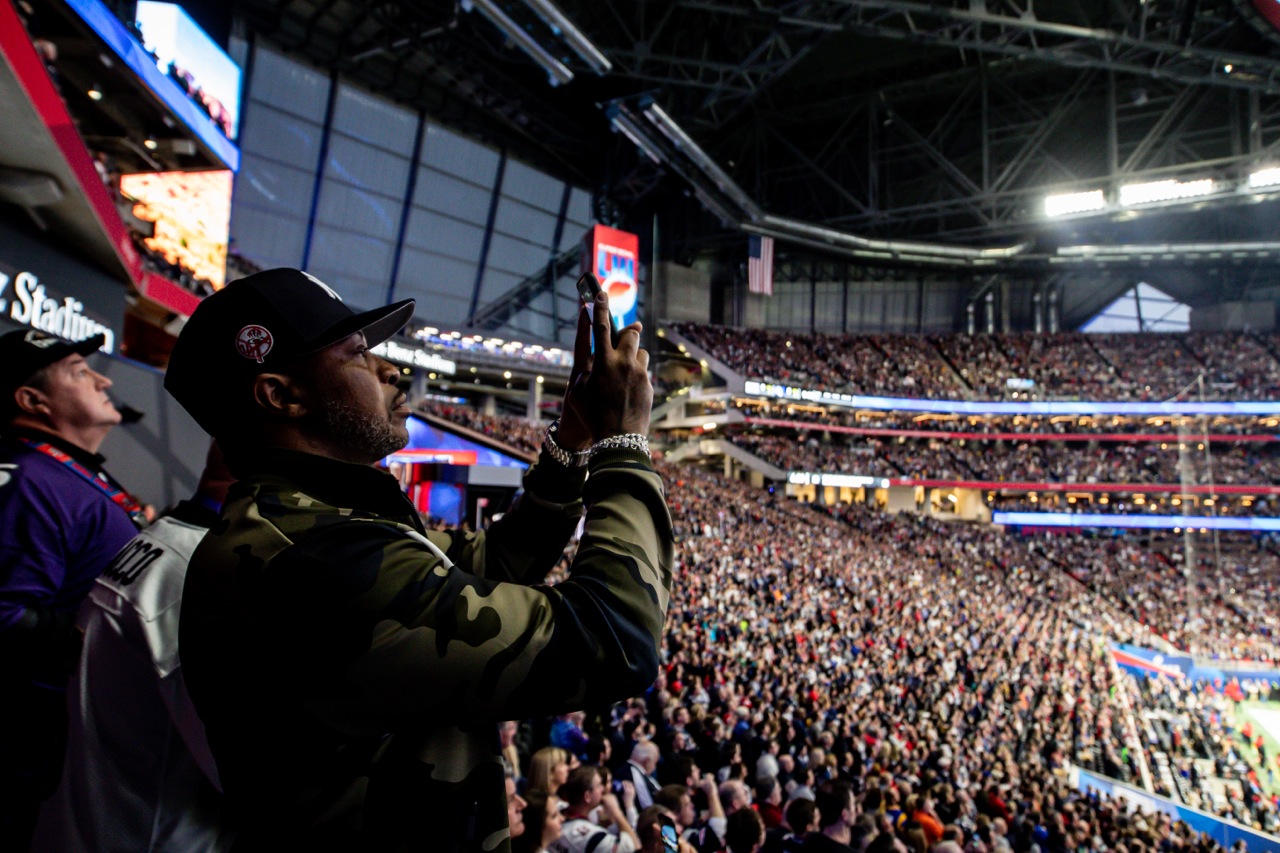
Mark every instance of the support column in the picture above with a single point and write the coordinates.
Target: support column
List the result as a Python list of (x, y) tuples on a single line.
[(489, 405), (533, 406)]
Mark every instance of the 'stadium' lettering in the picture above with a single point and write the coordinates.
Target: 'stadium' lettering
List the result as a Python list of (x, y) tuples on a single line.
[(132, 561), (33, 306)]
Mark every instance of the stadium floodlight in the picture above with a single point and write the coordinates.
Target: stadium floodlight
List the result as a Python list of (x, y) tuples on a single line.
[(1264, 178), (1067, 203), (628, 127), (563, 27), (1170, 190), (556, 70), (709, 167)]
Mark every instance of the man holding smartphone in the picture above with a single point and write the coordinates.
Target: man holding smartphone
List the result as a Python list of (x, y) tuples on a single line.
[(351, 667)]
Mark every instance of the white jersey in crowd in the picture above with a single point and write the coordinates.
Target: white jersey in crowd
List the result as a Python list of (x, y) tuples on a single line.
[(139, 775), (582, 836)]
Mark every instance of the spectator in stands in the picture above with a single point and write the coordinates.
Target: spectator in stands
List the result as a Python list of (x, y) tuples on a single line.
[(745, 832), (384, 734), (64, 518), (515, 808), (549, 769), (566, 733), (543, 819), (639, 771), (837, 811), (584, 793), (139, 774)]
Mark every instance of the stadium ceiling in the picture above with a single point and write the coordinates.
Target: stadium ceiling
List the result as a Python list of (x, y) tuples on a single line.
[(889, 119)]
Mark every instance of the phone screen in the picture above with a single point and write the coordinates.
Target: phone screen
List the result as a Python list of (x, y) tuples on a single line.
[(588, 288), (670, 841)]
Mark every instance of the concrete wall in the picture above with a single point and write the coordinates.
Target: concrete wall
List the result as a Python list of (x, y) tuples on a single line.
[(1234, 317)]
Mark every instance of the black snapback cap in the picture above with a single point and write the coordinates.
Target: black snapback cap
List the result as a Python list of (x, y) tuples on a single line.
[(260, 324), (25, 352)]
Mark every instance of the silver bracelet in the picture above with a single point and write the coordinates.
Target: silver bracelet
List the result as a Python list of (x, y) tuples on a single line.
[(630, 441), (567, 458)]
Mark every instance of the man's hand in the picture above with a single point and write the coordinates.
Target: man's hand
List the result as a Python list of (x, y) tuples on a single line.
[(573, 434), (628, 795), (609, 392), (611, 807)]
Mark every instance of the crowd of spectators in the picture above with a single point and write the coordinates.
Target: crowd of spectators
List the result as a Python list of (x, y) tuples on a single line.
[(1010, 461), (1124, 504), (1193, 426), (1068, 365), (946, 672), (516, 432)]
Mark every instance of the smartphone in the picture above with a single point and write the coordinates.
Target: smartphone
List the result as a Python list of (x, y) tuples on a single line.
[(670, 841), (588, 289)]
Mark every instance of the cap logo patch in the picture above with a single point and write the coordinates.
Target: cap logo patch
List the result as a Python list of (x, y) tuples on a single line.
[(40, 339), (254, 342)]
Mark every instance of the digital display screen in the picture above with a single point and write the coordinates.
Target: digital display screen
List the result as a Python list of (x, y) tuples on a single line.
[(615, 259), (122, 42), (188, 57), (997, 407), (192, 216), (1145, 522)]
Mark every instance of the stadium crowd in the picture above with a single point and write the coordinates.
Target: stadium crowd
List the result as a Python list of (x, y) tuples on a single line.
[(1065, 365), (1031, 426), (946, 672), (1008, 461)]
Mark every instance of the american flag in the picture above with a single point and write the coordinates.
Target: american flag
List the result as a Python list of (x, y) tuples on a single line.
[(760, 265)]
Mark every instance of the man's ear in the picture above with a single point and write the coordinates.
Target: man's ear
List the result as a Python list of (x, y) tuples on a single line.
[(31, 401), (279, 394)]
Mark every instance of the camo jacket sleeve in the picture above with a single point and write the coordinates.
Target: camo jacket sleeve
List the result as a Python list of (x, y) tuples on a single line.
[(523, 545), (380, 628)]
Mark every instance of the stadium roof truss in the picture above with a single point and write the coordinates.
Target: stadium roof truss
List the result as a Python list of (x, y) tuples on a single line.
[(941, 122)]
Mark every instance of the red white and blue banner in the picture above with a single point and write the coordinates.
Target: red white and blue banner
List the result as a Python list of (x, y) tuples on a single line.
[(760, 265)]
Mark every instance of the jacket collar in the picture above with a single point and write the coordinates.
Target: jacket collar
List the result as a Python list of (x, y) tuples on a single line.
[(340, 484), (92, 461)]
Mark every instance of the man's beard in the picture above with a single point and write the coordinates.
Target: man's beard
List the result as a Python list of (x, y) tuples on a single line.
[(352, 428)]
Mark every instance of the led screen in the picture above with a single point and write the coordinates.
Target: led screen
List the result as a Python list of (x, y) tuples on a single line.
[(193, 61), (615, 260), (1145, 522), (192, 216)]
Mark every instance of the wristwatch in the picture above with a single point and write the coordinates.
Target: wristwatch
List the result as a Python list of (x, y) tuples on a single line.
[(567, 458)]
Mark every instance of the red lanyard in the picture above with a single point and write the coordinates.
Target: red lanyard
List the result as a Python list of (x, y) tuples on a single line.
[(108, 487)]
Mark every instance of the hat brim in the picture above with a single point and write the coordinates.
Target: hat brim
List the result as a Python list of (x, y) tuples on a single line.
[(377, 325), (88, 346)]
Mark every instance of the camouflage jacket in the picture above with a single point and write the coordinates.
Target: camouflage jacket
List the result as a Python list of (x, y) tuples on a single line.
[(350, 677)]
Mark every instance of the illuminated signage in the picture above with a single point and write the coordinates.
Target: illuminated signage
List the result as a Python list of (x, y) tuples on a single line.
[(1146, 522), (196, 115), (433, 456), (849, 481), (192, 60), (414, 357), (998, 407), (192, 216), (615, 259), (32, 305)]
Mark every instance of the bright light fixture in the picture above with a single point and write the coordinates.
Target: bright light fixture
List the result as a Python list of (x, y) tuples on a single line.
[(1264, 178), (1061, 205), (1170, 190)]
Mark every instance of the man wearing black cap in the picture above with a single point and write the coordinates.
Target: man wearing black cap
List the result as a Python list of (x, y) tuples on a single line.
[(351, 666), (63, 519)]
